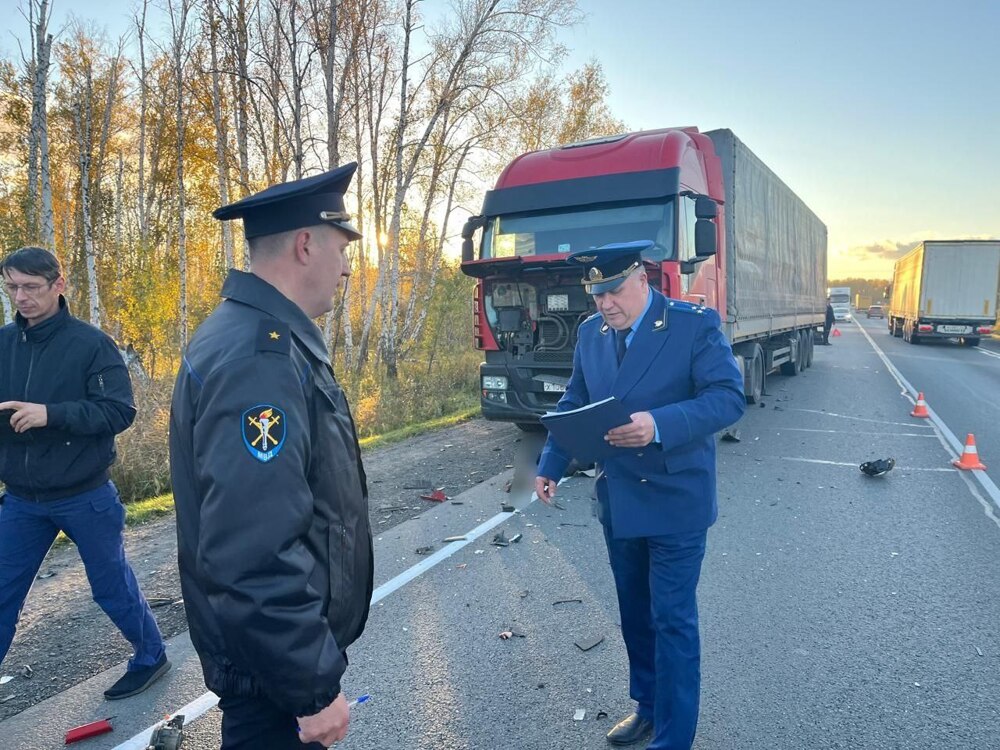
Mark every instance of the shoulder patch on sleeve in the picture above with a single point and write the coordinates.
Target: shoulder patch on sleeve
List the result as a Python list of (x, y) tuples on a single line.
[(273, 336), (264, 431)]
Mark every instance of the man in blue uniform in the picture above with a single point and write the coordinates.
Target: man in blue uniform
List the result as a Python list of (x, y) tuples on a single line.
[(671, 366), (274, 546), (64, 395)]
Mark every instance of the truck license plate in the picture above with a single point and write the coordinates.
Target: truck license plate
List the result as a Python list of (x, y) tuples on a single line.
[(954, 329), (553, 387)]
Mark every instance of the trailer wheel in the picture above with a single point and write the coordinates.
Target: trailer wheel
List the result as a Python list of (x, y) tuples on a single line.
[(803, 352), (970, 340), (810, 343), (753, 383)]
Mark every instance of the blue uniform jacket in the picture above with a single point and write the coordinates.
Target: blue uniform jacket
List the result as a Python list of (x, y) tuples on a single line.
[(680, 368)]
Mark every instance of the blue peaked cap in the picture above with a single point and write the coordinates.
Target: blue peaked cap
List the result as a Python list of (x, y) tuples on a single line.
[(293, 205), (606, 267)]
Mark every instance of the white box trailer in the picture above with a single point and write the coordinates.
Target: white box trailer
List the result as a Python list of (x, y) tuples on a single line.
[(946, 289)]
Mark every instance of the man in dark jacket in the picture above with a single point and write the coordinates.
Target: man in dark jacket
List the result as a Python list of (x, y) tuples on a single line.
[(274, 543), (64, 395), (828, 323)]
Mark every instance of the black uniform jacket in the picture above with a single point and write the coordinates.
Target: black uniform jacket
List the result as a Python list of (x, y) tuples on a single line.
[(274, 543), (77, 371)]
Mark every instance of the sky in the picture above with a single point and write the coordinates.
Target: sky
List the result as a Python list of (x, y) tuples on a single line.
[(882, 115)]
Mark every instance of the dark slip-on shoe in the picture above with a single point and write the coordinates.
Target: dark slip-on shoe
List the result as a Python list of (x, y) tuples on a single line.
[(137, 680), (630, 729)]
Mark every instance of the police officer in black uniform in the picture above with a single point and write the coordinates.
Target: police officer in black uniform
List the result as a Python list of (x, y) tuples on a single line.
[(274, 543)]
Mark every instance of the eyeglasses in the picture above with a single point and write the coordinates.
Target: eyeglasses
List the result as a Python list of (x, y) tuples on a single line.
[(32, 290)]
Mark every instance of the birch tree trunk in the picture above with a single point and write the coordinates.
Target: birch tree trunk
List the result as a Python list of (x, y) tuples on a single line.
[(140, 23), (390, 322), (84, 119), (43, 56), (221, 132), (8, 314), (178, 24), (119, 219)]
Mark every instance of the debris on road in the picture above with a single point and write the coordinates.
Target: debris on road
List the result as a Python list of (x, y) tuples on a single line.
[(85, 731), (155, 602), (585, 644), (515, 539), (424, 550), (507, 508), (417, 484), (454, 539), (567, 601), (437, 496), (500, 539), (979, 651), (506, 635), (6, 678), (877, 468), (601, 715), (579, 714), (26, 672), (168, 736), (46, 574), (732, 435)]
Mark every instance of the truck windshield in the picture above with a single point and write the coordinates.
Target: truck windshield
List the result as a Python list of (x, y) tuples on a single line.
[(573, 229), (841, 299)]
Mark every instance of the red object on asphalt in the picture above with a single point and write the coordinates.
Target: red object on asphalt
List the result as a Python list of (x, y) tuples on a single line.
[(85, 731), (437, 496)]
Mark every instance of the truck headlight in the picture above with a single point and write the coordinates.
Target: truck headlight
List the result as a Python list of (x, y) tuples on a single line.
[(494, 382)]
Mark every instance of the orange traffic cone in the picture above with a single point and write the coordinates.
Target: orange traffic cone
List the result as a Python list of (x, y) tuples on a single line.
[(836, 332), (969, 459), (920, 410)]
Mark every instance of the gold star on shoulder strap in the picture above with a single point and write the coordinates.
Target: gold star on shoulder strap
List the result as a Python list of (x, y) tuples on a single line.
[(274, 335)]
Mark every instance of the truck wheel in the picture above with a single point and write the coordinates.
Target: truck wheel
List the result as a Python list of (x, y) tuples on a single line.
[(970, 340), (897, 328), (803, 352), (810, 343), (753, 382)]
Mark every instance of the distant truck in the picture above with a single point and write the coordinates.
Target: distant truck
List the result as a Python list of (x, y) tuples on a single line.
[(946, 289), (862, 302), (727, 233), (840, 301)]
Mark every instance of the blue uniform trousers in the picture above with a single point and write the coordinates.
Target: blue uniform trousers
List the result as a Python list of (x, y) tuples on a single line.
[(94, 520), (656, 579)]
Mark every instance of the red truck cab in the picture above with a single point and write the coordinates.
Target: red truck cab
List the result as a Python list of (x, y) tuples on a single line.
[(664, 186)]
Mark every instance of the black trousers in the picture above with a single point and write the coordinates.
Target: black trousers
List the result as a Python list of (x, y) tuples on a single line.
[(257, 724), (826, 332)]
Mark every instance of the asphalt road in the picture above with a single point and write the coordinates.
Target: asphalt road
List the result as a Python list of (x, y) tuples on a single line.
[(960, 383), (838, 611)]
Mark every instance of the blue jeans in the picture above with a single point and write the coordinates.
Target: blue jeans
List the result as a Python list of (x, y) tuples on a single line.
[(657, 579), (94, 520)]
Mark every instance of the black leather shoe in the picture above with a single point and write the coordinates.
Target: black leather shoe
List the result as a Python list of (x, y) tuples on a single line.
[(630, 729), (134, 682)]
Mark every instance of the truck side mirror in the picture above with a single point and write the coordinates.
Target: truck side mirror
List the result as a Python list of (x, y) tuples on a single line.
[(705, 208), (705, 244), (471, 225)]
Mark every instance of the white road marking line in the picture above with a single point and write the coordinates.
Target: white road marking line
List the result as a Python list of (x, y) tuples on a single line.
[(852, 465), (851, 432), (988, 353), (864, 419), (947, 437), (204, 703)]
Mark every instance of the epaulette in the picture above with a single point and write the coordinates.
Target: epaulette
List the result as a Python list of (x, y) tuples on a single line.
[(680, 305), (273, 336)]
